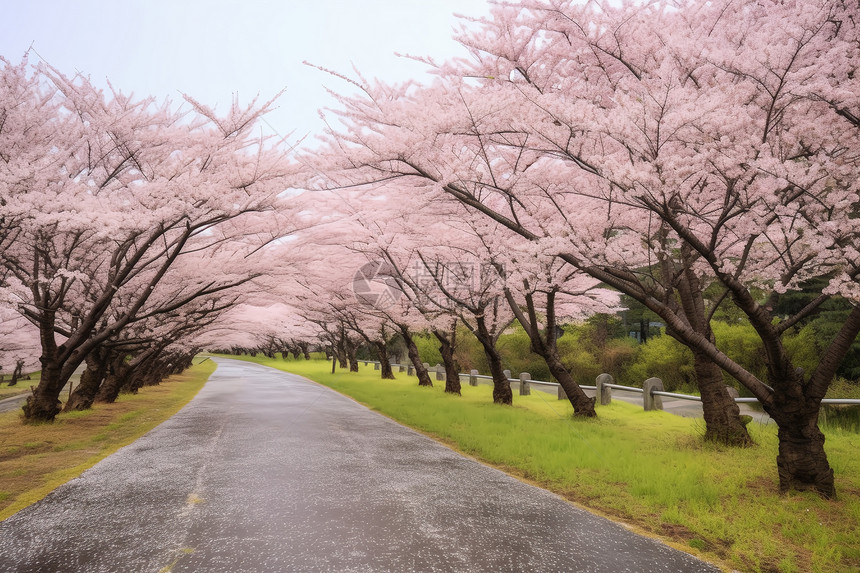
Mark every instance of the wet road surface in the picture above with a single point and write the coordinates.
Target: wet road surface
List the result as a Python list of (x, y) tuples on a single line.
[(267, 472)]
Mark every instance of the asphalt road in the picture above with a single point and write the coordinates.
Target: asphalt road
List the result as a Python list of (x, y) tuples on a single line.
[(266, 471)]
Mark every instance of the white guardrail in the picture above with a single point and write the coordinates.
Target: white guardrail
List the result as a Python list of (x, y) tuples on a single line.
[(652, 389)]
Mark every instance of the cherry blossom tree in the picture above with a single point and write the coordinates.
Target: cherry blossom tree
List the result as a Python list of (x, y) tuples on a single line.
[(145, 349), (731, 129), (102, 212), (541, 292), (660, 149), (258, 323), (388, 235), (19, 345)]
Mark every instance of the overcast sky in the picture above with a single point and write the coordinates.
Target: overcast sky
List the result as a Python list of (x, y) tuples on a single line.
[(211, 49)]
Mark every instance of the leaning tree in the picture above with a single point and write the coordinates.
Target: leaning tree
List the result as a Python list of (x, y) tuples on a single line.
[(662, 150), (102, 212)]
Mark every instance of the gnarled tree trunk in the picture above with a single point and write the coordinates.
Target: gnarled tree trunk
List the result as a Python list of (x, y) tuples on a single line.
[(84, 395), (351, 355), (412, 350), (452, 369), (501, 387), (384, 363), (43, 404), (16, 372), (340, 352), (801, 462), (117, 374), (582, 404), (722, 416), (544, 344)]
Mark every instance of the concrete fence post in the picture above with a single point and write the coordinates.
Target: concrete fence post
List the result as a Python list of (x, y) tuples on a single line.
[(376, 365), (604, 393), (733, 392), (473, 378), (652, 402), (525, 387), (507, 374), (401, 367), (410, 370), (440, 372)]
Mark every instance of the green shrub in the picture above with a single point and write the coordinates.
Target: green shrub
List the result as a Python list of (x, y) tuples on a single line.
[(581, 363), (617, 356), (517, 356), (665, 358), (428, 348), (469, 353), (741, 343), (802, 347), (842, 388)]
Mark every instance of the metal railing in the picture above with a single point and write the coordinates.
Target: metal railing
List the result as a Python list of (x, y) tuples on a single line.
[(652, 389)]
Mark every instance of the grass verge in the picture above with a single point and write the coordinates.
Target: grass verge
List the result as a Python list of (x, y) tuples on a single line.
[(37, 458), (7, 391), (22, 387), (650, 470)]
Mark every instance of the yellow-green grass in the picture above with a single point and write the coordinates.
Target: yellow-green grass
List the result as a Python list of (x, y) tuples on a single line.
[(37, 458), (650, 470), (22, 387)]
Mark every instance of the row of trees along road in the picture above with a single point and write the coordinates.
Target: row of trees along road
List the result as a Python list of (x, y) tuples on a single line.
[(685, 154), (660, 149), (126, 226)]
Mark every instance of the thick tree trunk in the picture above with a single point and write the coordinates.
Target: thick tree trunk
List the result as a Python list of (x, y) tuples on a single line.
[(544, 345), (340, 352), (16, 372), (412, 350), (133, 382), (452, 369), (384, 363), (305, 351), (43, 404), (802, 463), (84, 395), (114, 380), (722, 416), (801, 460), (352, 359), (501, 387), (582, 404)]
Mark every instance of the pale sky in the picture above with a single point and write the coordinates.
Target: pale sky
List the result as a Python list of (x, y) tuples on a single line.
[(211, 49)]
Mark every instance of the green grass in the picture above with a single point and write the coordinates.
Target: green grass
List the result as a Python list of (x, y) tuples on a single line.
[(22, 387), (650, 470), (37, 458)]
